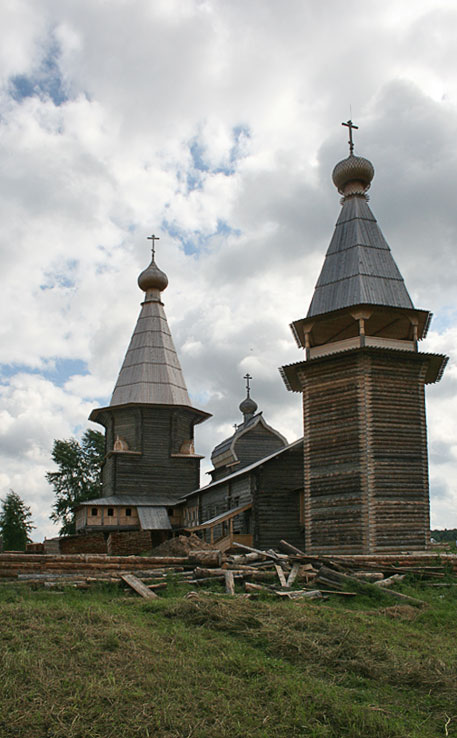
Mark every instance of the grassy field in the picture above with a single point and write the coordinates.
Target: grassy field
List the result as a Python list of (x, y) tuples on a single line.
[(102, 664)]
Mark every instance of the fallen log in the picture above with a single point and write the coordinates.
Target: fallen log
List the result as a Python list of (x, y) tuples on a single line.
[(291, 549), (390, 580), (206, 558), (336, 576), (256, 550), (138, 586), (368, 576), (250, 587)]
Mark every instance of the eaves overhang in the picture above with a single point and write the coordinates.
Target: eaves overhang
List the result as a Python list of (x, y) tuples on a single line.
[(290, 373), (380, 320), (200, 415)]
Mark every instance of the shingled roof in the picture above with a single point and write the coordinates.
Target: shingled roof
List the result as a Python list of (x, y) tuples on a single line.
[(358, 267), (151, 372)]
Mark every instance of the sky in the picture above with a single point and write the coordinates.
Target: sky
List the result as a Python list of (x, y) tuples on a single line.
[(215, 125)]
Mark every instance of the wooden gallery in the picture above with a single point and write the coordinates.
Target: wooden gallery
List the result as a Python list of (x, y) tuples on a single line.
[(357, 482)]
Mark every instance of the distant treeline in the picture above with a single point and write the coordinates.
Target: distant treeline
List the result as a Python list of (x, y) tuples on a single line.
[(444, 535)]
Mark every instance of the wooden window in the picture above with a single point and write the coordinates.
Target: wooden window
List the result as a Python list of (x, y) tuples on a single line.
[(94, 511), (128, 511), (110, 512), (170, 511)]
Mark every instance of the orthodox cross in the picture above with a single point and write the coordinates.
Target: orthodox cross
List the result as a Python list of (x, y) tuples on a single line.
[(350, 125), (153, 247), (247, 377)]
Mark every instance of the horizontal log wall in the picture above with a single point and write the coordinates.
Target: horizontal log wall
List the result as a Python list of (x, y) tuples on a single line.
[(256, 444), (365, 452), (156, 433), (276, 509)]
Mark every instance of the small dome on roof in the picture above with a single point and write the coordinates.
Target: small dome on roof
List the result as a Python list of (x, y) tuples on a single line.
[(248, 406), (353, 169), (152, 278)]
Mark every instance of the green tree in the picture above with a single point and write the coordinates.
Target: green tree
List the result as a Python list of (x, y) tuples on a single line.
[(15, 522), (78, 478)]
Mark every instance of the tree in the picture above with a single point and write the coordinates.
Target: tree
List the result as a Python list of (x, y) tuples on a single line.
[(15, 523), (78, 478)]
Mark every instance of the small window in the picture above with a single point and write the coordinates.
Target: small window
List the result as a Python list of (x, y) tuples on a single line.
[(110, 512), (128, 511), (94, 511), (170, 511)]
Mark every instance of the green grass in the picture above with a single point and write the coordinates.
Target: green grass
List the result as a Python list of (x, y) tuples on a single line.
[(100, 664)]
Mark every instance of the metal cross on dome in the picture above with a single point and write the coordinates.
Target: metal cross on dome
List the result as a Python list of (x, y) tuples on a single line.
[(247, 377), (350, 125), (153, 239)]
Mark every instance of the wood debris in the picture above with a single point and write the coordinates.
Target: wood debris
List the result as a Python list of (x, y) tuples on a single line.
[(291, 574)]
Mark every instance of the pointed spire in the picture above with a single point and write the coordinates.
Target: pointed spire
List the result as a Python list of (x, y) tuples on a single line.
[(359, 267), (151, 372)]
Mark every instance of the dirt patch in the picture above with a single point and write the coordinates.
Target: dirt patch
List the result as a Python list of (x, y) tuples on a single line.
[(181, 546)]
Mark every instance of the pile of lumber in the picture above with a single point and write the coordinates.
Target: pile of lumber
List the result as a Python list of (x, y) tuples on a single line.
[(289, 573)]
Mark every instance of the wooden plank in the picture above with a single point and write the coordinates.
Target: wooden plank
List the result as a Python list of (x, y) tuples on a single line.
[(138, 586), (281, 577), (293, 574)]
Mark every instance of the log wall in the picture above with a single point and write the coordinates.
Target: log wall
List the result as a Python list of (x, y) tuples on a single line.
[(150, 465), (365, 452), (276, 508)]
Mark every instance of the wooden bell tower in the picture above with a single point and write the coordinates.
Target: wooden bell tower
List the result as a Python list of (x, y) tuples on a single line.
[(363, 385)]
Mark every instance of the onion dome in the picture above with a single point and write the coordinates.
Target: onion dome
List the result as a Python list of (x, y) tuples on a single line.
[(152, 280), (248, 407), (354, 170)]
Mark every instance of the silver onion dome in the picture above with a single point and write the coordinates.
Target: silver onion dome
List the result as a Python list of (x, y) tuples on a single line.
[(152, 278), (351, 170)]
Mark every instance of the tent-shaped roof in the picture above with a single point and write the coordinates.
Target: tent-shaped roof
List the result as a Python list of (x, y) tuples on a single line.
[(358, 267), (151, 372)]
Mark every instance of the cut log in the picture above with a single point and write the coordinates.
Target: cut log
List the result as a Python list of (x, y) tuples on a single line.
[(368, 576), (229, 582), (291, 549), (206, 558), (250, 587), (335, 576), (390, 580), (255, 550), (138, 586), (301, 594)]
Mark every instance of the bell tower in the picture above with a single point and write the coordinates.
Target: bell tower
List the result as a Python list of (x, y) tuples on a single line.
[(362, 380), (149, 441)]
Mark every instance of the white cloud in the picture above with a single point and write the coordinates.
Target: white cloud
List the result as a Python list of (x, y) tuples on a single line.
[(218, 121)]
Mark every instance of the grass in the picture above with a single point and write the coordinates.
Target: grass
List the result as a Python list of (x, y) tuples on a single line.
[(100, 664)]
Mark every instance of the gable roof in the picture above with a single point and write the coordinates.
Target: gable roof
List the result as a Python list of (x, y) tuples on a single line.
[(359, 267), (245, 469)]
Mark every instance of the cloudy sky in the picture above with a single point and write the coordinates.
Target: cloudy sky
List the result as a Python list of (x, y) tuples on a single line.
[(215, 124)]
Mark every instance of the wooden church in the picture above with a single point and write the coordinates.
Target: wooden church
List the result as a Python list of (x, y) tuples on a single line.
[(358, 479), (362, 381)]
